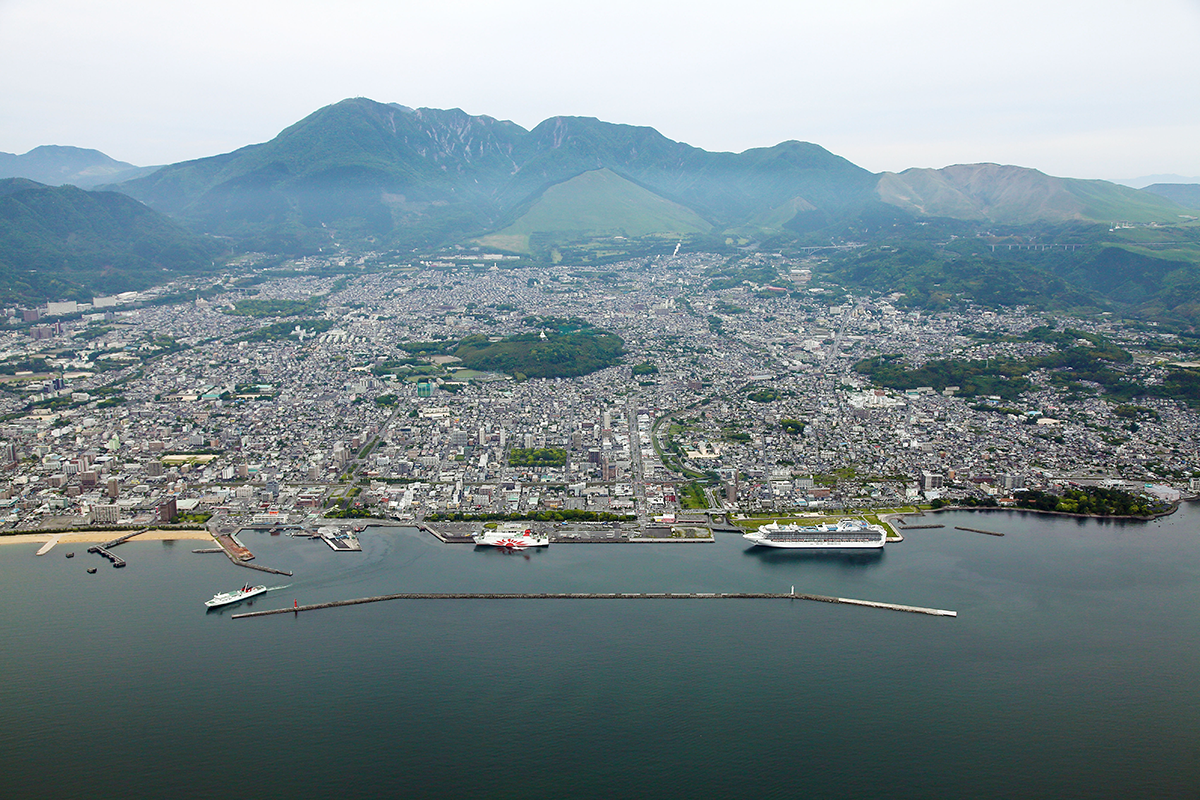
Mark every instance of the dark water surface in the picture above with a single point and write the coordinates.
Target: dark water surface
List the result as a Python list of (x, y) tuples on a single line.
[(1072, 670)]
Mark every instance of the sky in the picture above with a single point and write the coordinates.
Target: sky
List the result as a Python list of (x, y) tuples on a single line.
[(1076, 88)]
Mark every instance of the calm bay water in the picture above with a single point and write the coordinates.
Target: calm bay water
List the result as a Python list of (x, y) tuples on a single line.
[(1071, 671)]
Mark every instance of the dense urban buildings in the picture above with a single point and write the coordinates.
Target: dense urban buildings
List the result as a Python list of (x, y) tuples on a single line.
[(332, 385)]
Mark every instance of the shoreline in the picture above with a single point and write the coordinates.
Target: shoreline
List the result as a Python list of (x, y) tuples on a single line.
[(99, 536), (1124, 517)]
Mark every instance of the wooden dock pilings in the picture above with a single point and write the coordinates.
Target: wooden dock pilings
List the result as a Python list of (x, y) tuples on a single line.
[(936, 612), (977, 530)]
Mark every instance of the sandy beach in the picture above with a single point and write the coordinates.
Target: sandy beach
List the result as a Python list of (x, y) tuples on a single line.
[(97, 536)]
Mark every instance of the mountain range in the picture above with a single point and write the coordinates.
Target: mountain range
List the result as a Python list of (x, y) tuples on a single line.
[(365, 175), (361, 172)]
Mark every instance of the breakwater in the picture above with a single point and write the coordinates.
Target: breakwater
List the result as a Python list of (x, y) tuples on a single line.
[(977, 530), (937, 612), (239, 555)]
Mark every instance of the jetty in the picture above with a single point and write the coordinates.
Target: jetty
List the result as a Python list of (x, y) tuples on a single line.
[(236, 551), (936, 612), (919, 527), (977, 530), (450, 533), (122, 539), (116, 560), (239, 554), (105, 549)]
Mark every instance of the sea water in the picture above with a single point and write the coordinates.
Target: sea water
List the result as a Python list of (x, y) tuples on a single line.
[(1071, 670)]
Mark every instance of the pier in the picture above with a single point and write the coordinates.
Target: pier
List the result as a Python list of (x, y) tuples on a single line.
[(116, 560), (445, 536), (122, 539), (918, 527), (104, 549), (936, 612), (977, 530), (238, 554)]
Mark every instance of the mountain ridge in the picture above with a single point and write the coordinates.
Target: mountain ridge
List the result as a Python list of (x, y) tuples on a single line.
[(426, 176), (55, 165), (359, 171), (63, 241)]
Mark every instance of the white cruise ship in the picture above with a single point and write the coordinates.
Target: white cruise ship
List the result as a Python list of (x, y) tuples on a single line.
[(846, 534), (511, 536), (237, 595)]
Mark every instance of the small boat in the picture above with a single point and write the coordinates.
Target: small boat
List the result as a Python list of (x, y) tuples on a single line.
[(236, 596), (91, 570)]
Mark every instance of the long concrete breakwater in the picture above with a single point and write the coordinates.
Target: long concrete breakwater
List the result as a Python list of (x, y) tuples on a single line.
[(977, 530), (936, 612)]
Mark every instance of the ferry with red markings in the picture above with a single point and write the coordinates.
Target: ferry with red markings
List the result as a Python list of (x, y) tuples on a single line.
[(511, 536), (236, 596)]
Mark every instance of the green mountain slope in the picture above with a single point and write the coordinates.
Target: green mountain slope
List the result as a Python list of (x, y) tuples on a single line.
[(1015, 195), (66, 242), (597, 203), (1186, 194)]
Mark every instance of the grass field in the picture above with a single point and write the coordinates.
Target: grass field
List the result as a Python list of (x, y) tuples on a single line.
[(598, 202)]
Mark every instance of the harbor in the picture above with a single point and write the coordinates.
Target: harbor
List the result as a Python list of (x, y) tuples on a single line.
[(520, 667)]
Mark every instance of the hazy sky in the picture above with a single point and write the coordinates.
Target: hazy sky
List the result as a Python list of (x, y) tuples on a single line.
[(1079, 88)]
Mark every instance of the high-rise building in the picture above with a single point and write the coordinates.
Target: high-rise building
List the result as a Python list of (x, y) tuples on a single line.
[(108, 513)]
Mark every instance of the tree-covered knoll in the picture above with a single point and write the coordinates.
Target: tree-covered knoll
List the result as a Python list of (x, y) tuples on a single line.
[(543, 355), (537, 457), (266, 307), (1091, 500), (1006, 377)]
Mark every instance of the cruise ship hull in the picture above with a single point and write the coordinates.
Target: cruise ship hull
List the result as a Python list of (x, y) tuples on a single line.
[(824, 544), (846, 535)]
